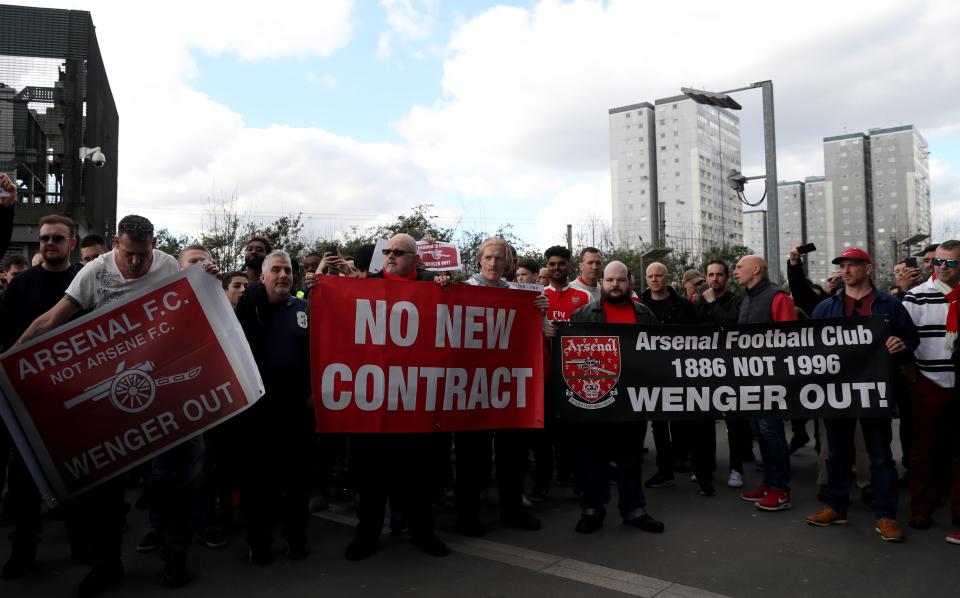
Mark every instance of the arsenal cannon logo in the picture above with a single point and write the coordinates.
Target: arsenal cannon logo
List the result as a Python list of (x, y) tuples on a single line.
[(591, 368)]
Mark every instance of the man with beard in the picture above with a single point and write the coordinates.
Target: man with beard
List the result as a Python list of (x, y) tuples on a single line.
[(718, 305), (28, 296), (621, 441)]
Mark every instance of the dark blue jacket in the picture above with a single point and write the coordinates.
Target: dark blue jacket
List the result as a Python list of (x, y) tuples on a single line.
[(884, 304)]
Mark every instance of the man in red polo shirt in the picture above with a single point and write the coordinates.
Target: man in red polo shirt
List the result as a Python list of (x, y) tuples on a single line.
[(564, 299)]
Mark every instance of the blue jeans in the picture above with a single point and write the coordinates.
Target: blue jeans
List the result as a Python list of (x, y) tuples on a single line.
[(622, 442), (774, 451), (877, 436)]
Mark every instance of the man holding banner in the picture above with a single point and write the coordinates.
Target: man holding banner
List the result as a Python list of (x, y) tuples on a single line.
[(622, 441), (763, 303), (395, 465), (860, 298), (134, 264)]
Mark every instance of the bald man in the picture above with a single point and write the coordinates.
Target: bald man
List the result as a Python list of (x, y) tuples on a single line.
[(670, 308), (764, 303), (602, 442)]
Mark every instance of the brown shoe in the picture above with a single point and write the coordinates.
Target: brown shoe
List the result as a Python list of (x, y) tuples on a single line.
[(826, 516), (889, 530)]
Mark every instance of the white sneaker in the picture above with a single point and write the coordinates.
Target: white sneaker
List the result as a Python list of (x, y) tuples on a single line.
[(735, 480), (693, 477), (526, 501)]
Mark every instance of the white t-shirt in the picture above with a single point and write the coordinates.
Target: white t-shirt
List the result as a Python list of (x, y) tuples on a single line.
[(100, 282)]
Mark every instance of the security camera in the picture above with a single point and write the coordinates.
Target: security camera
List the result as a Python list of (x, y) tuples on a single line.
[(94, 155)]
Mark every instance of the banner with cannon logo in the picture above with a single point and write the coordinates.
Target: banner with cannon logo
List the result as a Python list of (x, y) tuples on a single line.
[(98, 396), (811, 368)]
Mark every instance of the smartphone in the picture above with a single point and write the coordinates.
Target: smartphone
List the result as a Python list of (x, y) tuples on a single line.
[(807, 248), (911, 262), (331, 249)]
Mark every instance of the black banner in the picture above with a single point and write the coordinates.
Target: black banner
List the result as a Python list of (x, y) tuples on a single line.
[(809, 368)]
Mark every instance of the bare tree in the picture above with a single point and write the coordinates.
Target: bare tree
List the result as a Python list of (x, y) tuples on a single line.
[(224, 231)]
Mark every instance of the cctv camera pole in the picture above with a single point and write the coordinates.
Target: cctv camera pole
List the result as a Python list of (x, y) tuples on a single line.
[(770, 153)]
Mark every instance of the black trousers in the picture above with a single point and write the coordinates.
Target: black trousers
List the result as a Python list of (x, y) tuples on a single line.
[(275, 463), (398, 467), (473, 469)]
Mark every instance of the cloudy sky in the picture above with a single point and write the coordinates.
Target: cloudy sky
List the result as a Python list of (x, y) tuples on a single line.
[(352, 112)]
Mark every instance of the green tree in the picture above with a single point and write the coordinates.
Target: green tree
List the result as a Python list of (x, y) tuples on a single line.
[(286, 233), (419, 224), (470, 242), (224, 226), (171, 243)]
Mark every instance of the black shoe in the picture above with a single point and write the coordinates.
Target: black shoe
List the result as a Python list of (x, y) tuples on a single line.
[(538, 495), (707, 489), (100, 579), (298, 549), (361, 548), (646, 523), (22, 561), (589, 524), (521, 519), (399, 524), (319, 503), (470, 527), (431, 545), (659, 480), (261, 555), (175, 568), (151, 541), (866, 495), (212, 538)]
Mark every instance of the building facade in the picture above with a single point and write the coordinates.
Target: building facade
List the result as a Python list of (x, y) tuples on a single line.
[(668, 169), (818, 200), (755, 232), (791, 216), (900, 185)]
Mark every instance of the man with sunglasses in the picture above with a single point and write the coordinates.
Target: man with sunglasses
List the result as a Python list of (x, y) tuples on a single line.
[(28, 296), (394, 465), (860, 298), (935, 309)]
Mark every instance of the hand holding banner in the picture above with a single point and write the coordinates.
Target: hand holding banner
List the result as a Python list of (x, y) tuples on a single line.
[(397, 356), (98, 396)]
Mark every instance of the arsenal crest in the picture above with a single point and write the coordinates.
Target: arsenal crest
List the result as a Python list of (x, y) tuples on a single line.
[(591, 368)]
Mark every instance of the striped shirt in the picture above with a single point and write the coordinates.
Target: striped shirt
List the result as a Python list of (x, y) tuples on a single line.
[(927, 306)]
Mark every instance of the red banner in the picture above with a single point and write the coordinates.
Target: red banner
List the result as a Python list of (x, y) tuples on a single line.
[(404, 356), (100, 395)]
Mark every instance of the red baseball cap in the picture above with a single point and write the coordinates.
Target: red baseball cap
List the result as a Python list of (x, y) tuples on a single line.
[(853, 253)]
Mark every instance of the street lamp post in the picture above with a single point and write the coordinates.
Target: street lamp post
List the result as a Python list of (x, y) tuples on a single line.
[(723, 100)]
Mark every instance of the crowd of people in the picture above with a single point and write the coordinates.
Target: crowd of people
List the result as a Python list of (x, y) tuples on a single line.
[(266, 469)]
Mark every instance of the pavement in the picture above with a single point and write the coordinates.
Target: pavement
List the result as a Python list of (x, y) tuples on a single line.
[(713, 546)]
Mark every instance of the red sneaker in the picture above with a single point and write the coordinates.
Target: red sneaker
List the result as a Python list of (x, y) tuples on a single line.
[(754, 495), (775, 500), (954, 538)]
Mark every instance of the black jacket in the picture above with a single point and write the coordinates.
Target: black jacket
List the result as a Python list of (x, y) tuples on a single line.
[(680, 311), (593, 312), (725, 310)]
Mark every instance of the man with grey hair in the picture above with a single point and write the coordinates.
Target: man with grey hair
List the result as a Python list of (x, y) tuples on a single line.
[(273, 437)]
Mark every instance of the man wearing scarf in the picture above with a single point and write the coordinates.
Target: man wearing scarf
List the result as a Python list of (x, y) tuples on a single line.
[(934, 307)]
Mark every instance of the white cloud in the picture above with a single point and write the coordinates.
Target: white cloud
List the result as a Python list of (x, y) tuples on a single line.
[(410, 19), (383, 46)]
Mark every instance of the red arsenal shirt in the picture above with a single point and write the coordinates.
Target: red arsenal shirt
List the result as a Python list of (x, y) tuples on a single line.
[(564, 302)]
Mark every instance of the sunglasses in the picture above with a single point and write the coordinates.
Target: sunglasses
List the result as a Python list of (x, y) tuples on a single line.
[(397, 252), (939, 261), (54, 238)]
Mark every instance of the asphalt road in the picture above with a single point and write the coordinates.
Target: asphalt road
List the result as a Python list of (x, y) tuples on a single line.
[(712, 546)]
